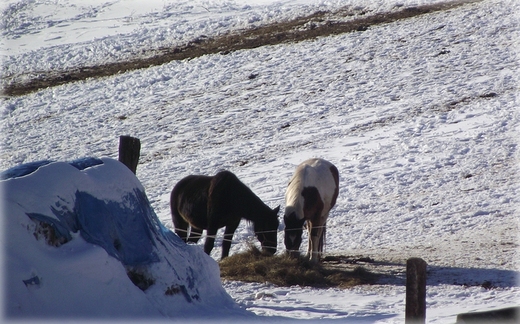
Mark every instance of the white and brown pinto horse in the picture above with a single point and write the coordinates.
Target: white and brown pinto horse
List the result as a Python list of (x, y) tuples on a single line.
[(310, 195)]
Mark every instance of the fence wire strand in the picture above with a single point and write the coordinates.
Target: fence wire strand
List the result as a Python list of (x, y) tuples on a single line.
[(216, 236)]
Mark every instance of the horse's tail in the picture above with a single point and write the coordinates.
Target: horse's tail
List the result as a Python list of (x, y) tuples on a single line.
[(181, 226)]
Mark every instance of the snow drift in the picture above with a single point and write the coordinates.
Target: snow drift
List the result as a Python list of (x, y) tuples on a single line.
[(83, 241)]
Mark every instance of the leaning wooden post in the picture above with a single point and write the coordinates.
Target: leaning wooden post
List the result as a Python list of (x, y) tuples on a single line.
[(415, 291), (129, 151)]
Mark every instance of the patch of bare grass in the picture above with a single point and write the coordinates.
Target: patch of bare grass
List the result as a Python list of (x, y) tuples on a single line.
[(316, 24), (282, 270)]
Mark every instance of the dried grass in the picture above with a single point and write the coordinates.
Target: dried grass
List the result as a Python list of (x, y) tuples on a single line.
[(282, 270)]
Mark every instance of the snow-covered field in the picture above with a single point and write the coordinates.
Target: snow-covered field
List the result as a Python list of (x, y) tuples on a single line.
[(420, 116)]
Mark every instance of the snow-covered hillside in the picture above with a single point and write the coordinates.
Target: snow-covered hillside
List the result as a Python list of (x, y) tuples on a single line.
[(420, 116)]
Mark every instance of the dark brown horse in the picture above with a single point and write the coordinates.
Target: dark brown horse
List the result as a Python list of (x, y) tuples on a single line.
[(209, 203), (310, 195)]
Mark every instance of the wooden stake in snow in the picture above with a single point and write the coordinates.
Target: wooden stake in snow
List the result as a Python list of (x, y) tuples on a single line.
[(415, 291), (129, 151)]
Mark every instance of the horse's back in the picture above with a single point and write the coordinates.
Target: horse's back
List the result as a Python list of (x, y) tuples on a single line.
[(191, 187), (319, 174), (224, 181), (318, 167), (226, 187)]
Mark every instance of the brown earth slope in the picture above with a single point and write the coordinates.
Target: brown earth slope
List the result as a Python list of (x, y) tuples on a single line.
[(308, 27)]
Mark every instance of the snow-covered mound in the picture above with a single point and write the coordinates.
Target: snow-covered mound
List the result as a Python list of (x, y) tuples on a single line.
[(83, 241)]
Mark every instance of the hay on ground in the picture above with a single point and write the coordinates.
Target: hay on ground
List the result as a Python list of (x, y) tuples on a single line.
[(282, 270)]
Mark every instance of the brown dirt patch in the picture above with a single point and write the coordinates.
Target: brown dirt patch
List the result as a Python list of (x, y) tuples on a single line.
[(317, 24)]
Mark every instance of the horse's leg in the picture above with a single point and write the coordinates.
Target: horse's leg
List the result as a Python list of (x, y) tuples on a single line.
[(228, 237), (315, 235), (181, 226), (195, 235), (322, 240), (213, 222), (211, 232)]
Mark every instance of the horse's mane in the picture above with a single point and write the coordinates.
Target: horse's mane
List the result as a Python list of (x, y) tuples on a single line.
[(293, 198), (243, 196)]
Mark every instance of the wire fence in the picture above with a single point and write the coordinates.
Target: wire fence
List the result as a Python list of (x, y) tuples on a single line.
[(221, 238)]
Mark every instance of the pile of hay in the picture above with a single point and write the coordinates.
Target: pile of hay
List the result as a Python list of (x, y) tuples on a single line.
[(282, 270)]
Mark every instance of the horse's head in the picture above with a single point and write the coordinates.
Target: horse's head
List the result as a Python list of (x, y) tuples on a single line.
[(267, 232), (293, 233)]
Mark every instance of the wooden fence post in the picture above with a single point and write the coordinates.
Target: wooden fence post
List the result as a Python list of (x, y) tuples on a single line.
[(415, 291), (129, 151)]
